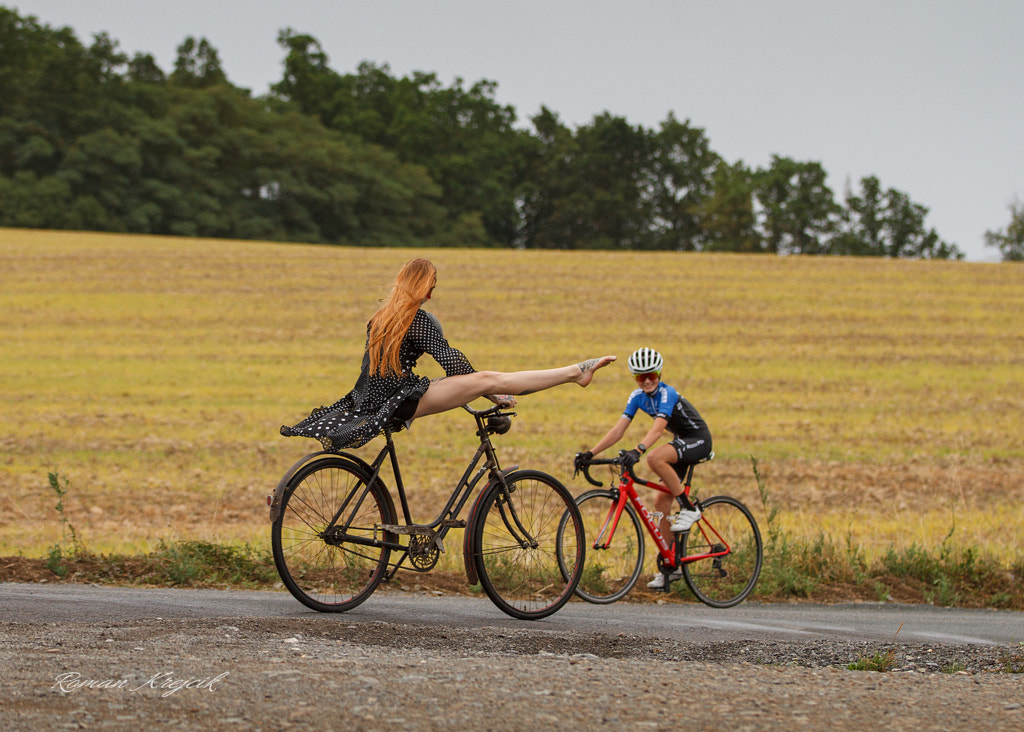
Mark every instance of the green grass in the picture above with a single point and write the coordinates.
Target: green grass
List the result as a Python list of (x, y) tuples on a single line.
[(879, 661), (177, 564)]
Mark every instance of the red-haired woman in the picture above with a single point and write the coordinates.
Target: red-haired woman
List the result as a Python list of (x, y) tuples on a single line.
[(388, 391)]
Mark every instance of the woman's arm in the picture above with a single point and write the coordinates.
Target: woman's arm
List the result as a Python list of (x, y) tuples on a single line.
[(430, 339), (614, 435), (660, 423)]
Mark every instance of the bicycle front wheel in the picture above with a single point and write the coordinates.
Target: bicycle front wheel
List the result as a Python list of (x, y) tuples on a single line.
[(729, 543), (328, 564), (609, 572), (516, 547)]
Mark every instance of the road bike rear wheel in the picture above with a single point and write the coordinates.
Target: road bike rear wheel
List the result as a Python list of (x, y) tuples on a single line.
[(609, 573), (332, 567), (516, 548), (728, 533)]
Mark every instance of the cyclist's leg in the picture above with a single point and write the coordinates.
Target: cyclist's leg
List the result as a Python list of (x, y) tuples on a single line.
[(670, 462), (454, 391), (662, 461)]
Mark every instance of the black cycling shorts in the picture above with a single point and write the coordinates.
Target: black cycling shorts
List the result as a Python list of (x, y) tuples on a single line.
[(690, 450)]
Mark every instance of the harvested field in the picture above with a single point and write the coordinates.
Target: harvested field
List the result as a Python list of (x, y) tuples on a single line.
[(882, 399)]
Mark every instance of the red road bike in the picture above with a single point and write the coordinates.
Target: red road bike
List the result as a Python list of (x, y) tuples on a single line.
[(719, 557)]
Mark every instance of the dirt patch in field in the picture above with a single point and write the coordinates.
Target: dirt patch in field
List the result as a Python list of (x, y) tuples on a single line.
[(175, 510)]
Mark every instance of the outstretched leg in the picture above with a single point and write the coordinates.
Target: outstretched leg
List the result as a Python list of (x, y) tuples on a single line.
[(454, 391)]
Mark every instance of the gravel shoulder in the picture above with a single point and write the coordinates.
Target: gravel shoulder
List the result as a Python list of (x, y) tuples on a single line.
[(295, 673)]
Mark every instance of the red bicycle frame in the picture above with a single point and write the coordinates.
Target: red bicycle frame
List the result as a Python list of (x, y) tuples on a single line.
[(668, 552)]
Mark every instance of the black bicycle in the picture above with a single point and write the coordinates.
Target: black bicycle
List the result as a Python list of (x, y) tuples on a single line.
[(335, 529)]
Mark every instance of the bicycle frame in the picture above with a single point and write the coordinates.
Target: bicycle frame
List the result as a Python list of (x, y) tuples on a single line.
[(669, 553), (447, 518)]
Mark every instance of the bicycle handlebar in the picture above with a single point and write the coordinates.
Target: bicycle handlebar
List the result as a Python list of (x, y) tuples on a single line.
[(484, 412), (496, 420), (628, 469)]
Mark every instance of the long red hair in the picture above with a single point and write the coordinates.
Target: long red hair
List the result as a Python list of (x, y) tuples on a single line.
[(389, 324)]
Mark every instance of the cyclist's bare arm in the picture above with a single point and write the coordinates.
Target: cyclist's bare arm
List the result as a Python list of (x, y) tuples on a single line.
[(656, 431), (614, 435)]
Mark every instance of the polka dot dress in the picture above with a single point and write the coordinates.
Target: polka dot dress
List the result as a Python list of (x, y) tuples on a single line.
[(360, 415)]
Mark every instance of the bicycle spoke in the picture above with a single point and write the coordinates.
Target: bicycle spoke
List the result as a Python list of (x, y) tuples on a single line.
[(722, 553), (523, 576), (316, 562), (609, 573)]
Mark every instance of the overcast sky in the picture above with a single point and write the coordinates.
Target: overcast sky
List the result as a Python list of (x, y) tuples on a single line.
[(927, 95)]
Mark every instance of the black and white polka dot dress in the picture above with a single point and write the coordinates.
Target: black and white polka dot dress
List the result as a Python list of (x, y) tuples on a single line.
[(359, 416)]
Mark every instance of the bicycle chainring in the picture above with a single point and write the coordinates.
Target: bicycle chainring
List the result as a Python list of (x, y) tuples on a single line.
[(423, 551)]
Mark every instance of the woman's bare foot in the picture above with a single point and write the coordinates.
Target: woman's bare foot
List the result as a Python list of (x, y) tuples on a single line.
[(588, 367)]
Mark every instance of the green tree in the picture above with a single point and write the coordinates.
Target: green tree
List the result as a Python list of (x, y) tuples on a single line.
[(727, 216), (464, 139), (612, 158), (798, 209), (549, 199), (49, 87), (1010, 241), (197, 64), (91, 140), (307, 81), (887, 223), (144, 69), (678, 179), (584, 188)]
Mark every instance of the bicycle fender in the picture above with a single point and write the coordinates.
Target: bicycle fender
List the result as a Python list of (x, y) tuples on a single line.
[(274, 500), (467, 554)]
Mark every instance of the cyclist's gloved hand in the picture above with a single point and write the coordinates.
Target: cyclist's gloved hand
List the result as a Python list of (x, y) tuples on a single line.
[(581, 459), (630, 458)]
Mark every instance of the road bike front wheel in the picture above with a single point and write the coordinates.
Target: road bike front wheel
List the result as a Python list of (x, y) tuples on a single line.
[(609, 572), (727, 538), (515, 548), (332, 565)]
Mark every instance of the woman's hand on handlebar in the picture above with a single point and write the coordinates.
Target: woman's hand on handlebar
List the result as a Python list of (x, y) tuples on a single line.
[(582, 460)]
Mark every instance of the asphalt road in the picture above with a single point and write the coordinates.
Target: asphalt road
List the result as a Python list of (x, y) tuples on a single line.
[(69, 603)]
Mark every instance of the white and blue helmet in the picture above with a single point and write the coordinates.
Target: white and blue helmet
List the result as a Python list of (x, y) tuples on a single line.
[(644, 361)]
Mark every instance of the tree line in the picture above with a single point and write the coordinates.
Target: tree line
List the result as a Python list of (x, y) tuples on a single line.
[(91, 139)]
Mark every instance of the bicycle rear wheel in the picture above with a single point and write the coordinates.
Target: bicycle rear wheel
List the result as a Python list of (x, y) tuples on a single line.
[(609, 573), (516, 544), (728, 534), (332, 567)]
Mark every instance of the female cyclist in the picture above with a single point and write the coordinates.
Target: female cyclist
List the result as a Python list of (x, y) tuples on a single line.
[(691, 441)]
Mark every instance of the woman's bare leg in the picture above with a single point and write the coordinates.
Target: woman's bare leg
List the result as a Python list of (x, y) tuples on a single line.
[(662, 461), (454, 391)]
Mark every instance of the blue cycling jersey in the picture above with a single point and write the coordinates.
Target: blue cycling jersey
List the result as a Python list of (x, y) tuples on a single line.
[(683, 418)]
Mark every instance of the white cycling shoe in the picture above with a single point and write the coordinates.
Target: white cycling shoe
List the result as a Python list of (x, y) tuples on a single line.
[(658, 583), (683, 520)]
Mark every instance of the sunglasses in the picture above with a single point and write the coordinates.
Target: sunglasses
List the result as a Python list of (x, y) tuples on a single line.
[(652, 376)]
